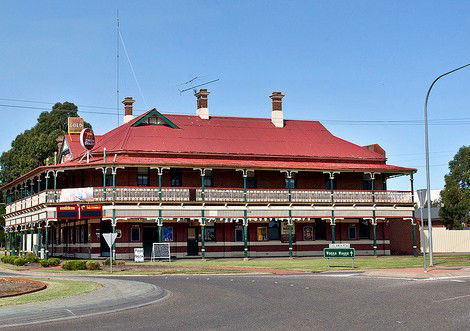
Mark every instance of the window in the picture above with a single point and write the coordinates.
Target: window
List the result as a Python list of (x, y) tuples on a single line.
[(364, 229), (143, 180), (143, 177), (167, 233), (328, 183), (274, 230), (208, 179), (210, 233), (251, 180), (352, 231), (238, 232), (308, 232), (176, 178), (290, 183), (135, 233), (367, 184), (262, 233), (109, 180)]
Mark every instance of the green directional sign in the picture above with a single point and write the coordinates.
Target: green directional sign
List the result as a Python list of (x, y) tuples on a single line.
[(339, 253)]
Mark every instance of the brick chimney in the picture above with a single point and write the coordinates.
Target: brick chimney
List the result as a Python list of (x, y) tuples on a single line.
[(277, 115), (202, 110), (128, 109)]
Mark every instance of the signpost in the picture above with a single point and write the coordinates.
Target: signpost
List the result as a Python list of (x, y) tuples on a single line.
[(110, 239), (138, 255), (87, 140), (75, 125), (339, 253)]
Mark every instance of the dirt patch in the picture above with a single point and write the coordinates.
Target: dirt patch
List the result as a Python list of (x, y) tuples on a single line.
[(10, 286)]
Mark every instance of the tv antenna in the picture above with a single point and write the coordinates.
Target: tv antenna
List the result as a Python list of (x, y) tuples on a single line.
[(193, 81)]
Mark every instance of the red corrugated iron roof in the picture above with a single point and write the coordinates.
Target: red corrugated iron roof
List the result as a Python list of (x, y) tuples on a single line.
[(234, 136)]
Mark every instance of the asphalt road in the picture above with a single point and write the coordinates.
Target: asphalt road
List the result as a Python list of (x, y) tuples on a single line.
[(290, 302)]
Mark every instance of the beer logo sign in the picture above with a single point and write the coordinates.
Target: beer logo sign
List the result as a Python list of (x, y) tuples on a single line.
[(87, 139), (75, 125)]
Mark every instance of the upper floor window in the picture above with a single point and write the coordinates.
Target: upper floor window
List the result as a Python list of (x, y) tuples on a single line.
[(329, 182), (176, 178), (143, 178), (208, 179), (251, 180), (109, 180), (290, 183)]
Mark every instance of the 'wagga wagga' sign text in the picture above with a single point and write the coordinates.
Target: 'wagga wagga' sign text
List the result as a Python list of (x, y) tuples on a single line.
[(339, 253), (87, 139)]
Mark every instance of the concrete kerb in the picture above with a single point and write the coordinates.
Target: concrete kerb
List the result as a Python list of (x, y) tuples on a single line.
[(115, 295)]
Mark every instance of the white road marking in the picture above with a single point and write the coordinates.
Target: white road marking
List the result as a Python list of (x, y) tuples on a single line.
[(453, 298)]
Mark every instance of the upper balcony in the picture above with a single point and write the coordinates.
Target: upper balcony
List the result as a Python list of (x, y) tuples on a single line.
[(211, 195)]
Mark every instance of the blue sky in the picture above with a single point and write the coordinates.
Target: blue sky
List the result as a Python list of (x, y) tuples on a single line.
[(334, 60)]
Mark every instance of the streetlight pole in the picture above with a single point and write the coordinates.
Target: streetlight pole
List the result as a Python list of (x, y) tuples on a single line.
[(426, 138)]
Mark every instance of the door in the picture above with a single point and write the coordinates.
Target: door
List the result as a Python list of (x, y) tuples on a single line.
[(105, 227), (149, 236), (192, 246)]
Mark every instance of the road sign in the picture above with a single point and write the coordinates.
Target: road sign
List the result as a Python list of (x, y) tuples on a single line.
[(138, 255), (110, 238), (339, 253), (342, 245)]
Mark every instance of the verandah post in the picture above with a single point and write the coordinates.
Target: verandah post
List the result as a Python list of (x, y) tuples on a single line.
[(46, 244), (39, 238), (245, 214)]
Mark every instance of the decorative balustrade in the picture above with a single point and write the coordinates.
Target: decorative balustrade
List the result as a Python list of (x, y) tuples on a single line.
[(151, 194)]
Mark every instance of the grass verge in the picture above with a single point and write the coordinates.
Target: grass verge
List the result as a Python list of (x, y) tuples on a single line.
[(56, 288)]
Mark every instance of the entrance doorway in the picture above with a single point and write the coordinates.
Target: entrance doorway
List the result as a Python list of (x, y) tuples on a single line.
[(192, 246), (105, 227), (149, 236)]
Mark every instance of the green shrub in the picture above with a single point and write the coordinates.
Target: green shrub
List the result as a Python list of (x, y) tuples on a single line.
[(93, 265), (20, 261), (74, 265), (44, 263), (31, 258), (106, 262), (8, 259), (53, 261)]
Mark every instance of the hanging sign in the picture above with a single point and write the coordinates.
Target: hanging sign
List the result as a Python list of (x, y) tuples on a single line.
[(75, 125), (87, 139), (67, 212), (91, 211)]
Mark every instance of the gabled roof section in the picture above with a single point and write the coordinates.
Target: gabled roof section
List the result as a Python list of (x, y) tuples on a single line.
[(154, 117)]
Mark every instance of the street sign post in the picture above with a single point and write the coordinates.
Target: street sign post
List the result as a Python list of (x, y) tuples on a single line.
[(110, 239), (339, 253)]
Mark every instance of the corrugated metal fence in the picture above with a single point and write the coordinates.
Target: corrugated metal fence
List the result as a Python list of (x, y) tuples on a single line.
[(449, 241)]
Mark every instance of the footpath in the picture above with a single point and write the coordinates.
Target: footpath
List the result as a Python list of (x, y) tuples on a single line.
[(114, 295)]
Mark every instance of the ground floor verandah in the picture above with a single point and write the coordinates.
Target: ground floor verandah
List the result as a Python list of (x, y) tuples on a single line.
[(263, 237)]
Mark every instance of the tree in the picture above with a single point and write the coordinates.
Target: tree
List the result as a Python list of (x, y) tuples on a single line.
[(31, 148), (456, 193)]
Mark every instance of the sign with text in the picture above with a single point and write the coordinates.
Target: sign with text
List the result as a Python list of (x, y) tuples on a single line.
[(87, 139), (330, 253), (75, 125), (91, 211), (138, 255), (285, 232), (341, 245), (160, 251), (67, 212)]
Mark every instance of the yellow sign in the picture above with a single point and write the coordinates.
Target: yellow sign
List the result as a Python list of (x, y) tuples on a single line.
[(75, 125)]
